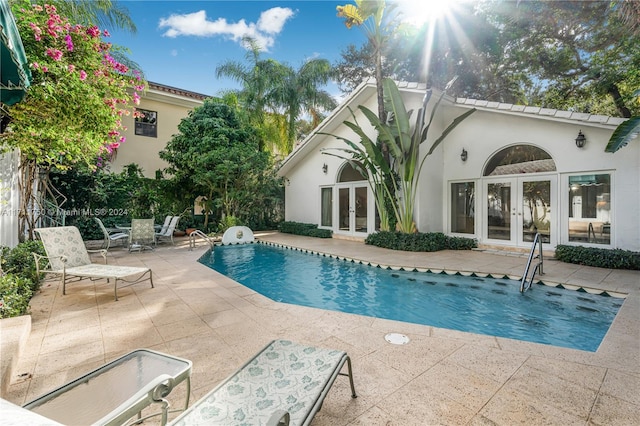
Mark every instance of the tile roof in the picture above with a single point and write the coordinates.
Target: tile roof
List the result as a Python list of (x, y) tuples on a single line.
[(176, 91), (546, 112)]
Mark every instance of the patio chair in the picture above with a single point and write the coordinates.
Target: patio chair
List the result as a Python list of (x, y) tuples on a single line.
[(111, 236), (142, 235), (168, 233), (112, 394), (68, 257), (165, 225), (285, 383)]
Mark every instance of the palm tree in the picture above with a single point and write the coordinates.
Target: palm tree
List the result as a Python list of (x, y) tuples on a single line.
[(370, 15), (270, 88), (257, 78), (104, 13), (298, 92)]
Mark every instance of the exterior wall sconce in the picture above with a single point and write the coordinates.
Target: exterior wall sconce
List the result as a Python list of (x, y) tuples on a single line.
[(464, 155), (325, 168), (580, 140)]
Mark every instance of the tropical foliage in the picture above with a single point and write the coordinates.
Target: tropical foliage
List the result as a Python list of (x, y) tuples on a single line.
[(397, 182), (216, 154), (276, 95), (72, 112), (571, 55), (625, 132)]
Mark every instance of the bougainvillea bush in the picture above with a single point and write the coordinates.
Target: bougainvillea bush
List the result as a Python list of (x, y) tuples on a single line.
[(72, 112)]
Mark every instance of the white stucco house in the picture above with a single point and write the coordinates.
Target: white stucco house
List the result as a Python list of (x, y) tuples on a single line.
[(502, 174)]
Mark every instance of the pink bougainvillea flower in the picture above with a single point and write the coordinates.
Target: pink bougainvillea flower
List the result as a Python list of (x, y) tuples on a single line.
[(55, 54), (83, 75), (71, 68), (136, 98), (106, 33), (93, 31), (69, 42)]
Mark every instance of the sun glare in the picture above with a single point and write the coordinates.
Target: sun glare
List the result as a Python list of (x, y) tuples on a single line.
[(418, 12)]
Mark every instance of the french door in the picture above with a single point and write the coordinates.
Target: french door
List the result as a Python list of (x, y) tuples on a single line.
[(518, 207), (353, 208)]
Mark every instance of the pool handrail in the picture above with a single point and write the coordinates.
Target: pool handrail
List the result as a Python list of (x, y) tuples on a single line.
[(537, 239)]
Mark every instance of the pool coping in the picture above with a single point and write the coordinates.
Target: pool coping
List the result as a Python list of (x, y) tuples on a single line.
[(552, 284)]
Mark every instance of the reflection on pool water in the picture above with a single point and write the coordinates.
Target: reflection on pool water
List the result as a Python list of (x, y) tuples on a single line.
[(483, 305)]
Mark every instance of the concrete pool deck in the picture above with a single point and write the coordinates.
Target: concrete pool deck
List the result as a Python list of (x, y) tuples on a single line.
[(440, 377)]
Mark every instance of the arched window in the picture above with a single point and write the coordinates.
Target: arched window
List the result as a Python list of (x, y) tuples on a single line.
[(519, 159), (350, 174)]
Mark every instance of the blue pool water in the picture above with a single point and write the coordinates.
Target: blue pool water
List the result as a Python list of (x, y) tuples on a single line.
[(490, 306)]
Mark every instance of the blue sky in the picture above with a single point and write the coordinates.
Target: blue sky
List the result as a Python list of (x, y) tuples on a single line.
[(180, 43)]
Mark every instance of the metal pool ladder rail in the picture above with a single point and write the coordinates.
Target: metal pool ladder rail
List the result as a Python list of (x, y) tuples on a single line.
[(197, 233), (526, 283)]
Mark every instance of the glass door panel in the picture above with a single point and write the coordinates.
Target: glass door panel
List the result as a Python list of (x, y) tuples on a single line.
[(361, 208), (499, 211), (343, 209), (536, 210)]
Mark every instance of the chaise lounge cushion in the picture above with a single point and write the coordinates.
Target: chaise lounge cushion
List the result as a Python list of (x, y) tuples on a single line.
[(283, 376)]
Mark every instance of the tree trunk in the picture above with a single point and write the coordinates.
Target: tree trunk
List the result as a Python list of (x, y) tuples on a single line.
[(27, 212), (617, 99)]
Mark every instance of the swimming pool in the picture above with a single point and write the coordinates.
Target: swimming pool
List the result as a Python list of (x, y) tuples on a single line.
[(482, 305)]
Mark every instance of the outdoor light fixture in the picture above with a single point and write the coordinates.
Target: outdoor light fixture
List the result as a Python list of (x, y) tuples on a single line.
[(325, 168), (580, 140), (463, 155)]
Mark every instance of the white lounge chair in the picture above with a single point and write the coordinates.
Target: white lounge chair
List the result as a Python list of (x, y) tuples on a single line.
[(165, 225), (285, 383), (168, 232), (68, 257), (111, 236)]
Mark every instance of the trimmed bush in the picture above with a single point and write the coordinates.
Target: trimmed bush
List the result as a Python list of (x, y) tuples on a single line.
[(19, 261), (423, 242), (598, 257), (306, 229), (15, 294)]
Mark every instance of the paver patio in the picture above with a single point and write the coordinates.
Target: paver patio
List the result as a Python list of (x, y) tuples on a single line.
[(440, 377)]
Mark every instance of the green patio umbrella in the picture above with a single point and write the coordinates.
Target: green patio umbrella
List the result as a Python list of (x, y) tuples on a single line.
[(15, 76)]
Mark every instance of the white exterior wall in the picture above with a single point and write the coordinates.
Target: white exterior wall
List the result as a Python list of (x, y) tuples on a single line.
[(9, 198), (484, 133)]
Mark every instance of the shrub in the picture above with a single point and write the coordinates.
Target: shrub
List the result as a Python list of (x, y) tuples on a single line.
[(227, 222), (427, 242), (599, 257), (15, 294), (20, 262), (306, 229)]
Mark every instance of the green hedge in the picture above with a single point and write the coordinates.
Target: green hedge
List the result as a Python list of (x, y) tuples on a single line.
[(432, 241), (20, 261), (15, 294), (21, 280), (601, 258), (306, 229)]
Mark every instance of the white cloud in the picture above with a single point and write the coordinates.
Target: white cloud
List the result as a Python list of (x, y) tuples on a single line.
[(271, 21), (174, 52), (196, 24)]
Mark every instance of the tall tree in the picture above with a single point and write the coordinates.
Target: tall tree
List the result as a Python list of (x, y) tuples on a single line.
[(574, 49), (72, 111), (216, 154), (276, 96), (370, 15), (298, 91), (103, 13)]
